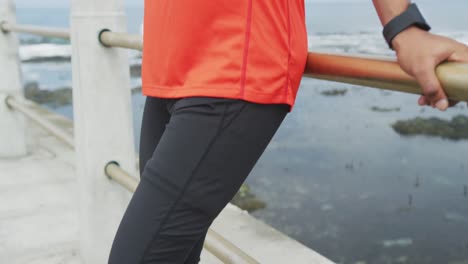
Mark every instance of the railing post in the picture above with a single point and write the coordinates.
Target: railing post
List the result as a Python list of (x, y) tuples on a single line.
[(103, 123), (12, 124)]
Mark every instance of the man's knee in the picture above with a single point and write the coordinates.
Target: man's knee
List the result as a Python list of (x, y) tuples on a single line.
[(178, 236)]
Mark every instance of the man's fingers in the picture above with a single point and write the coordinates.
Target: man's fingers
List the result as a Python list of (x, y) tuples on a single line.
[(423, 101), (432, 89), (453, 103)]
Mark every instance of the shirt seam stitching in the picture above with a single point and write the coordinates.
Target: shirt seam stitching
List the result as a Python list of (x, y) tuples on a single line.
[(248, 29), (286, 94)]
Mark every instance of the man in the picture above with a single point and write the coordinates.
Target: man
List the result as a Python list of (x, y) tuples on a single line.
[(220, 76)]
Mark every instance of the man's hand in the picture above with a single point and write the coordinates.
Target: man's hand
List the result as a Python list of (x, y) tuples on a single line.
[(419, 52)]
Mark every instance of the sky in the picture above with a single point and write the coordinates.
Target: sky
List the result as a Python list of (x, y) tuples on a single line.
[(65, 3)]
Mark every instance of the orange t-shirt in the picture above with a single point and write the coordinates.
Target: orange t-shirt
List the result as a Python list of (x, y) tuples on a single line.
[(253, 50)]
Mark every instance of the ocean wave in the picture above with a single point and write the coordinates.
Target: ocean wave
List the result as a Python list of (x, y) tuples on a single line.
[(45, 52), (34, 40), (48, 52), (362, 43), (368, 43)]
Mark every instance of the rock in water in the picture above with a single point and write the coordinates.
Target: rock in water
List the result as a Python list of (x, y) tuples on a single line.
[(135, 71), (136, 90), (455, 129), (55, 98), (246, 200), (335, 92), (385, 109)]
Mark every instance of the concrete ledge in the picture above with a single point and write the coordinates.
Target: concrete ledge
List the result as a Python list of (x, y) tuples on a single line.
[(261, 241), (38, 212)]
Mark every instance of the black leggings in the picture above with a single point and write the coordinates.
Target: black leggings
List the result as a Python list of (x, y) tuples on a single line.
[(195, 153)]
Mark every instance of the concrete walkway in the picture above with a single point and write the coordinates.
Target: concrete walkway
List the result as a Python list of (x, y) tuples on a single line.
[(39, 221)]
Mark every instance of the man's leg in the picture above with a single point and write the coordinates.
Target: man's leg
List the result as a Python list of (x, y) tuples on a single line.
[(206, 152), (194, 256), (155, 118)]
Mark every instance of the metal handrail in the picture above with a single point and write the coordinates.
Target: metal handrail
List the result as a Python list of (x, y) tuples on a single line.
[(215, 243), (35, 30), (218, 246), (120, 40), (13, 103), (384, 73), (116, 173)]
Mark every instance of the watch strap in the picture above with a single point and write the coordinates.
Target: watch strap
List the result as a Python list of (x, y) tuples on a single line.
[(410, 17)]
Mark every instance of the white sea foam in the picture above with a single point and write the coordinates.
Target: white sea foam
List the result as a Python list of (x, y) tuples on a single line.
[(361, 43), (44, 51), (59, 52), (371, 43)]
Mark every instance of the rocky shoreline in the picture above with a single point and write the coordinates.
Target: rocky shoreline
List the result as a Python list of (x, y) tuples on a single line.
[(56, 98)]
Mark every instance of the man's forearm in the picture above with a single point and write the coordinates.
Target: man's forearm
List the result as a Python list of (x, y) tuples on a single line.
[(388, 9)]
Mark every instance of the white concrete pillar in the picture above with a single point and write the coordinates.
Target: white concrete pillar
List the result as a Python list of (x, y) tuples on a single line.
[(103, 123), (12, 123)]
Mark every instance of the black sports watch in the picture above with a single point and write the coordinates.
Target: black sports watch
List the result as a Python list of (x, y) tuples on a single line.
[(411, 17)]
